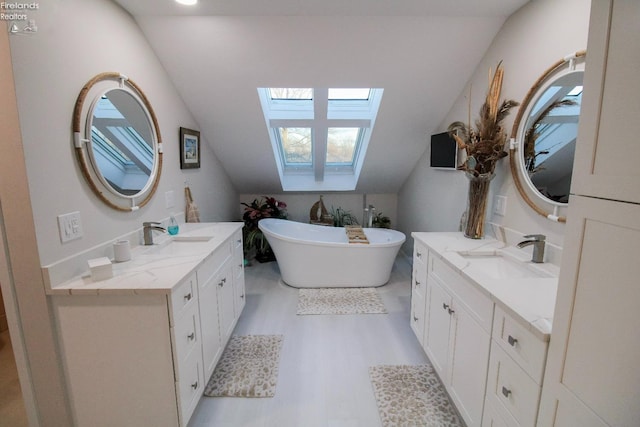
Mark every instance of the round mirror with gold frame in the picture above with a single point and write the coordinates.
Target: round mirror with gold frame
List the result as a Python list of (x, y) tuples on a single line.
[(544, 135), (117, 141)]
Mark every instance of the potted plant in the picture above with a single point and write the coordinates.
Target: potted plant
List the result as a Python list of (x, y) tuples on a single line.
[(342, 217), (267, 207), (381, 221)]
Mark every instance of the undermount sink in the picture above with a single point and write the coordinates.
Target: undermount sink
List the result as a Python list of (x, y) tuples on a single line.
[(496, 265), (180, 245)]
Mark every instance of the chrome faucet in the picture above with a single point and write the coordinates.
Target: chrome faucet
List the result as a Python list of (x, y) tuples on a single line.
[(369, 213), (538, 242), (147, 231)]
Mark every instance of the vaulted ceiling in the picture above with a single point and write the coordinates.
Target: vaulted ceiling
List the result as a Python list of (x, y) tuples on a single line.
[(422, 52)]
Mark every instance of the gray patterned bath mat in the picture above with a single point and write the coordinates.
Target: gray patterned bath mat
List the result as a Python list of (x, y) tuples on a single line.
[(412, 396), (339, 301), (248, 367)]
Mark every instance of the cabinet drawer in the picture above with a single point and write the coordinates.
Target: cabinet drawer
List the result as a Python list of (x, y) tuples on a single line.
[(237, 241), (213, 263), (190, 385), (238, 263), (474, 301), (420, 252), (186, 333), (524, 347), (510, 388), (491, 417), (183, 297), (420, 256)]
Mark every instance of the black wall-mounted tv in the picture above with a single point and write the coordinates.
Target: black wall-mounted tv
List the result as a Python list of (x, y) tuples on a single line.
[(444, 151)]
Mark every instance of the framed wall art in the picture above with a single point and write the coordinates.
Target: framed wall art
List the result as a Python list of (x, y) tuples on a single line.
[(189, 148)]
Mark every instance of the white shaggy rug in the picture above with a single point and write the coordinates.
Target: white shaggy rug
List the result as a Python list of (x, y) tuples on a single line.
[(248, 367), (412, 396), (339, 301)]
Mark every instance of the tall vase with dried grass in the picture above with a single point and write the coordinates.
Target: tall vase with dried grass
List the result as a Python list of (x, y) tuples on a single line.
[(484, 146)]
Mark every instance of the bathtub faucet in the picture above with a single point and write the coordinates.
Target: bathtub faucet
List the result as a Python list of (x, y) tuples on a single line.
[(369, 213)]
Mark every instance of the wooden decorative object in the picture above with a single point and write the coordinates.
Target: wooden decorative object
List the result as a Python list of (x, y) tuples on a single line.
[(319, 215)]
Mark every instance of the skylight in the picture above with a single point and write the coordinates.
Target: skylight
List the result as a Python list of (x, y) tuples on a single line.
[(319, 136)]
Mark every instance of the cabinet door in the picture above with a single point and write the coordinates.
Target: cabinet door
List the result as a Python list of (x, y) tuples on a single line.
[(437, 345), (607, 150), (592, 371), (224, 285), (468, 365), (209, 324)]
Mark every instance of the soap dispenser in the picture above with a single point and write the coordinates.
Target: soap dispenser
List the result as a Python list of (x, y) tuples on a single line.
[(173, 226)]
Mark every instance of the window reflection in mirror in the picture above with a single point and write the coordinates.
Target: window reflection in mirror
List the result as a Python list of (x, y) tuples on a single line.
[(122, 150), (550, 138)]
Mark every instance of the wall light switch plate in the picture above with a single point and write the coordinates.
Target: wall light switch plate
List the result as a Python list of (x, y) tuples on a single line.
[(500, 205), (169, 200), (70, 226)]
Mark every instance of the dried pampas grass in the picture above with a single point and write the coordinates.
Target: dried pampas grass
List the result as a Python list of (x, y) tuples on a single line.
[(485, 144)]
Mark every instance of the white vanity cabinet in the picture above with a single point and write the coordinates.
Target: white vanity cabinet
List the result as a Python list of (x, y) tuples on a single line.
[(490, 357), (209, 303), (458, 337), (187, 338), (141, 355), (419, 290), (516, 369), (218, 284), (452, 320)]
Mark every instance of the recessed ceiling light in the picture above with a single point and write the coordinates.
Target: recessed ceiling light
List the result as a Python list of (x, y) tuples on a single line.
[(187, 2)]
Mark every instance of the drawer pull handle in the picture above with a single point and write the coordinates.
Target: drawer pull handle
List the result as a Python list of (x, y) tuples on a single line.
[(242, 296), (194, 385), (188, 296), (415, 319), (505, 391), (445, 306), (222, 282), (450, 311), (419, 254), (417, 283), (512, 341), (191, 336)]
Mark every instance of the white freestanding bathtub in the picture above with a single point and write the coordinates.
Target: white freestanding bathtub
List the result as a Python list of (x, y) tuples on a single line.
[(314, 256)]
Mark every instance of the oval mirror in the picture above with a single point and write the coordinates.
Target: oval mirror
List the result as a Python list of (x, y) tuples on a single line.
[(119, 146), (544, 137)]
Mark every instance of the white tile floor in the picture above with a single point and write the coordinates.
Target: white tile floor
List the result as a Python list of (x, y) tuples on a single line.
[(323, 378)]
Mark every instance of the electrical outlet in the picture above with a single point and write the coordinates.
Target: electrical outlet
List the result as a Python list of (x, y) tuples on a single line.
[(169, 200), (500, 205), (70, 226)]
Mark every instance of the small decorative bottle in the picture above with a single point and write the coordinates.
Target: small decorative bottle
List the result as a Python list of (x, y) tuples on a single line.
[(173, 226)]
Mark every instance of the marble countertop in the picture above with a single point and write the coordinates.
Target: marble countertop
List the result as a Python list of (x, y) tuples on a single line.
[(154, 269), (531, 300)]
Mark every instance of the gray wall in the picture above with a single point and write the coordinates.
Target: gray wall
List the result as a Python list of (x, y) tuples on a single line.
[(76, 40), (530, 41)]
